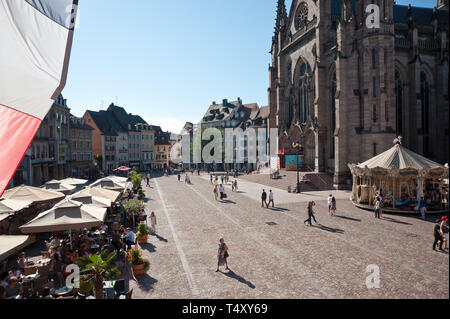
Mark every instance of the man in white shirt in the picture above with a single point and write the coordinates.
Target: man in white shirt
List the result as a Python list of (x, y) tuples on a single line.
[(221, 190), (270, 199), (129, 238), (104, 228)]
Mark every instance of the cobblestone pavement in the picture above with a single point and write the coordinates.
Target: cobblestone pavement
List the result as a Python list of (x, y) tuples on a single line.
[(285, 258)]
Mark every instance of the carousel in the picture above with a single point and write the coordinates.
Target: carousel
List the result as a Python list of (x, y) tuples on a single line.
[(402, 178)]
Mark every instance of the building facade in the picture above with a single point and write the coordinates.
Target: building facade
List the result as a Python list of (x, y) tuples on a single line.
[(345, 91), (81, 148)]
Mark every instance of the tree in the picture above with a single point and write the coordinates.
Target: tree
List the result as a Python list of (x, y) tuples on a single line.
[(95, 269), (136, 178)]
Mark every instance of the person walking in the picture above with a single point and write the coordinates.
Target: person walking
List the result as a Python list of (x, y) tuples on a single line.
[(222, 255), (221, 190), (147, 178), (377, 208), (444, 231), (211, 179), (232, 187), (153, 222), (270, 199), (222, 178), (438, 238), (235, 185), (333, 206), (186, 178), (310, 213), (422, 207), (216, 192), (330, 197), (263, 198)]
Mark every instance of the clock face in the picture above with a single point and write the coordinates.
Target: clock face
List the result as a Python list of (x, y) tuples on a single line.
[(301, 17)]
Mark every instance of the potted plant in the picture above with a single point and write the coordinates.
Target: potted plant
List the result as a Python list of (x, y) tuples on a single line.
[(139, 264), (142, 233), (95, 269), (133, 206), (141, 194)]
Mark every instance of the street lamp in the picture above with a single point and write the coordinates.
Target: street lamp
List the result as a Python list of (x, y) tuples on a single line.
[(299, 147)]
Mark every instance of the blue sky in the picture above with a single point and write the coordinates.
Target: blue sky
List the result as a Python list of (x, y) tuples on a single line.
[(168, 60)]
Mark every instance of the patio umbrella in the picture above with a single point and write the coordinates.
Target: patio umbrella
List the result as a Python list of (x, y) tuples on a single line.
[(7, 206), (74, 181), (58, 186), (67, 215), (88, 199), (32, 194), (9, 245), (110, 183), (122, 169), (113, 196)]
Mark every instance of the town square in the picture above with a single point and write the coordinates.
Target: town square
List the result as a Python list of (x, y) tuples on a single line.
[(157, 165)]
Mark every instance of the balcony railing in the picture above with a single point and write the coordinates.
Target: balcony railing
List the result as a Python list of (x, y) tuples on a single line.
[(402, 43)]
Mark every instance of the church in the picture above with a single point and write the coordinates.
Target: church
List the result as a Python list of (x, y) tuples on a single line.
[(345, 91)]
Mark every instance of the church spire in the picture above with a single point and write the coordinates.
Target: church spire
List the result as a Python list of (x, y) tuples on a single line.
[(281, 20)]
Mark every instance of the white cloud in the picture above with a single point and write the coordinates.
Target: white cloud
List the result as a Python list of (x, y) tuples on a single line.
[(172, 125)]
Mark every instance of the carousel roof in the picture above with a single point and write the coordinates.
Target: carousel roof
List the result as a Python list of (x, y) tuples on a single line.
[(399, 157)]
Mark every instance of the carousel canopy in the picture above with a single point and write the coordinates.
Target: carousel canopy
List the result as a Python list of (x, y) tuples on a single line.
[(399, 157), (66, 215), (32, 194)]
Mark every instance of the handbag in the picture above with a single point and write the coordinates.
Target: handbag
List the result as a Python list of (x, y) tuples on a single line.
[(226, 255)]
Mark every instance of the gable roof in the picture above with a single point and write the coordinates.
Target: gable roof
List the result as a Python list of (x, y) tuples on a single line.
[(101, 121)]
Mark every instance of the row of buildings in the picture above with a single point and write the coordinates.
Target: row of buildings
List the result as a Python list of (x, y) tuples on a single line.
[(222, 116), (123, 139), (69, 146)]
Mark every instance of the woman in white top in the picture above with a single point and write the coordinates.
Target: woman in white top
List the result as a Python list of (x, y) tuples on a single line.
[(153, 222)]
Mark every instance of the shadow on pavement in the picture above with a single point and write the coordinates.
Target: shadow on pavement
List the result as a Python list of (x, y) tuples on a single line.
[(160, 238), (395, 221), (279, 209), (149, 247), (146, 282), (228, 202), (233, 275), (348, 218), (329, 229)]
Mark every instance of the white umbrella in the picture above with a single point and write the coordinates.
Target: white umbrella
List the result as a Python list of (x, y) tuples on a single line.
[(67, 215)]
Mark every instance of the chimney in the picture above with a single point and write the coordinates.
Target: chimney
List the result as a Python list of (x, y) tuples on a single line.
[(214, 103), (224, 102)]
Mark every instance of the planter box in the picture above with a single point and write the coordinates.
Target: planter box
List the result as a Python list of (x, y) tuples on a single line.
[(138, 270), (142, 240)]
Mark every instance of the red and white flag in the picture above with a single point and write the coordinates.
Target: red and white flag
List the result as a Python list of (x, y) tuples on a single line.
[(35, 44)]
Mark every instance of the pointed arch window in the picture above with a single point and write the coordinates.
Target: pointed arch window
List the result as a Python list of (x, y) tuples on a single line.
[(333, 113), (425, 110), (291, 109), (399, 102), (303, 94)]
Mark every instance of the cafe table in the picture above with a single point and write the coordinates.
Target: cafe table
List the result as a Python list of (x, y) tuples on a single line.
[(62, 291), (31, 279)]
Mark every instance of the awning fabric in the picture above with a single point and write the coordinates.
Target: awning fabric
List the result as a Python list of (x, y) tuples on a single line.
[(66, 215), (12, 244), (32, 194)]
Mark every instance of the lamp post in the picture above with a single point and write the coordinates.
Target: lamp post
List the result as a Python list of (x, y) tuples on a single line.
[(299, 147)]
